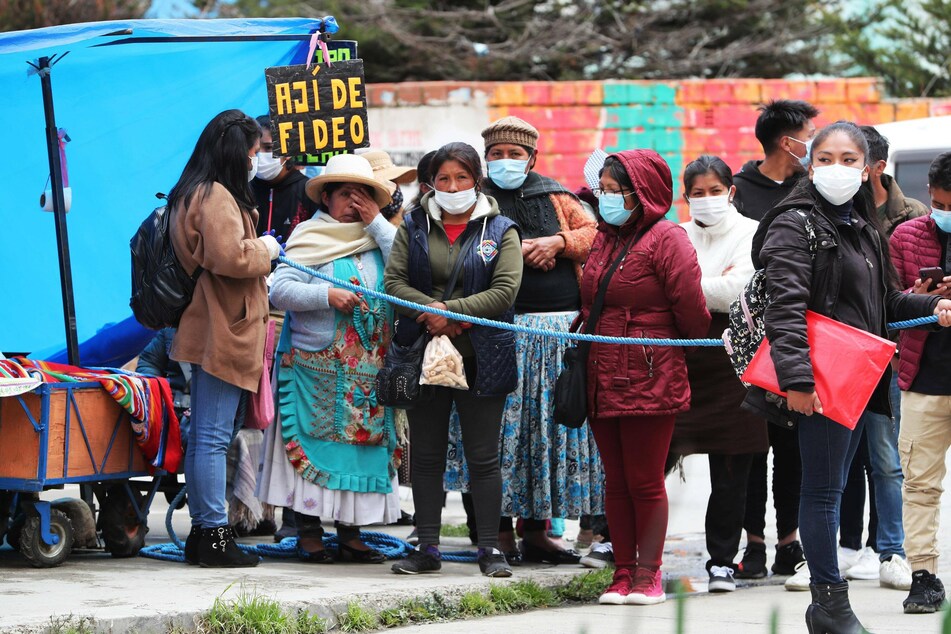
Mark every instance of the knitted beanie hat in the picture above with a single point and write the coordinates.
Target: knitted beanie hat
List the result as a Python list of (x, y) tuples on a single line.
[(511, 130)]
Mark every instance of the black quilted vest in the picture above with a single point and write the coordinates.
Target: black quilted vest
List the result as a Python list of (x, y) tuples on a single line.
[(496, 373)]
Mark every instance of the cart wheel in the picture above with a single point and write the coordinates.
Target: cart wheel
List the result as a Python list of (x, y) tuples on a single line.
[(39, 553), (122, 532)]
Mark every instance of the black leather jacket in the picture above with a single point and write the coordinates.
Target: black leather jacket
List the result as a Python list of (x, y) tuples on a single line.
[(797, 282)]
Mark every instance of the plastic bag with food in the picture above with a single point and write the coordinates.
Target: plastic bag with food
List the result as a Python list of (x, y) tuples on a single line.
[(442, 365)]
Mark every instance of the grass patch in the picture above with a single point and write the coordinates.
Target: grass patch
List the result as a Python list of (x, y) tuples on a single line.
[(534, 595), (252, 613), (69, 625), (476, 604), (587, 587), (408, 611), (357, 619), (454, 530), (507, 598)]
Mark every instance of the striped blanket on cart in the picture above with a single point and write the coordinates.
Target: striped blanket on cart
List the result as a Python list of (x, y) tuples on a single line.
[(147, 399)]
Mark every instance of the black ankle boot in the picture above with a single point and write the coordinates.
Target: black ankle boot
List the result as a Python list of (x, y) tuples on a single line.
[(830, 612), (191, 546), (217, 549)]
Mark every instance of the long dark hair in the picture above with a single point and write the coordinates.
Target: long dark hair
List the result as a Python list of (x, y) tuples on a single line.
[(220, 155), (864, 201)]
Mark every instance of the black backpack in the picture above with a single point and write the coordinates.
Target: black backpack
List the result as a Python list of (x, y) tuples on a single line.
[(161, 289)]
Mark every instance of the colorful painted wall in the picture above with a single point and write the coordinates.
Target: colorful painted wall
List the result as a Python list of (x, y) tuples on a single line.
[(681, 120)]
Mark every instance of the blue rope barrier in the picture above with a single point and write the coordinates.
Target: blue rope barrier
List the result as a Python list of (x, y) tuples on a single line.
[(573, 336), (481, 321), (391, 547)]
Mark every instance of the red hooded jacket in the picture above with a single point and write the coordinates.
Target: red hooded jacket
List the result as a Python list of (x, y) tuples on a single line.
[(914, 245), (655, 292)]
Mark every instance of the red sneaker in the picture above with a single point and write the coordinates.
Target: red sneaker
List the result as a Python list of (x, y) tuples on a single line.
[(647, 588), (620, 588)]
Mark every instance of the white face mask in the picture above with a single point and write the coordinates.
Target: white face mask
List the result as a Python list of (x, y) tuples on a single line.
[(837, 183), (709, 210), (269, 167), (457, 203), (254, 168)]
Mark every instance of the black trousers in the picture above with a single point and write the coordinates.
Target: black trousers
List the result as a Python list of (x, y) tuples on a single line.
[(787, 479), (852, 520), (480, 419), (726, 507)]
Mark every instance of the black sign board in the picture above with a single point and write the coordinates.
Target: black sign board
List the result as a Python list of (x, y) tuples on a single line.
[(319, 109), (338, 51)]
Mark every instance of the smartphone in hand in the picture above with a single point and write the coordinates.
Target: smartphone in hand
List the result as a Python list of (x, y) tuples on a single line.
[(934, 273)]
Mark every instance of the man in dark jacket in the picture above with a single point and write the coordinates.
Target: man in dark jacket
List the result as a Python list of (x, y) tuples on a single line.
[(925, 434), (279, 189), (785, 130), (893, 207)]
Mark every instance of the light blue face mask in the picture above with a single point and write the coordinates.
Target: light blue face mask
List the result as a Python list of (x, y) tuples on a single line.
[(942, 219), (508, 173), (805, 160), (611, 208)]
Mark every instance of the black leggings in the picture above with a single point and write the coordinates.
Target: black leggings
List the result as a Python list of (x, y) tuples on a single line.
[(480, 419), (787, 478), (726, 506)]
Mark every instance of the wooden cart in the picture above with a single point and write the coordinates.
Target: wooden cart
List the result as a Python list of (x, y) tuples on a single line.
[(70, 433)]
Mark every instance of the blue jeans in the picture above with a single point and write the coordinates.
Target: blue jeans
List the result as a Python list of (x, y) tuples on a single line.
[(882, 434), (214, 406), (827, 449)]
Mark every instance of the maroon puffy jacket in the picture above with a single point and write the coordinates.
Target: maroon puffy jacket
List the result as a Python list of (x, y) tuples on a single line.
[(914, 246), (655, 292)]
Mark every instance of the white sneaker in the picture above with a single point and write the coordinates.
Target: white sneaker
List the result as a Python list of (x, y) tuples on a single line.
[(847, 559), (866, 566), (895, 573), (799, 582)]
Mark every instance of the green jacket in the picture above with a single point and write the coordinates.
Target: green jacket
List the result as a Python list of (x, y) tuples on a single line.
[(897, 209), (490, 303)]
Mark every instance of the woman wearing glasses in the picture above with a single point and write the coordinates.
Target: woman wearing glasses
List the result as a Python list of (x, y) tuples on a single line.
[(635, 392)]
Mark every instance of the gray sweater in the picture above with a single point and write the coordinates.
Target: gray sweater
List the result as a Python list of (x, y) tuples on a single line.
[(305, 297)]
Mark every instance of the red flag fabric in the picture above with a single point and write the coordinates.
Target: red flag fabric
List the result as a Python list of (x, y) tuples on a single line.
[(847, 364)]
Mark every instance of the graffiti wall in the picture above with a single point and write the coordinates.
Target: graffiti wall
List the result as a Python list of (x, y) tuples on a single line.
[(680, 120)]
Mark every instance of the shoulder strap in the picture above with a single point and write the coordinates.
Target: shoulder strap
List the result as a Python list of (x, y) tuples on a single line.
[(457, 267), (811, 238), (598, 304)]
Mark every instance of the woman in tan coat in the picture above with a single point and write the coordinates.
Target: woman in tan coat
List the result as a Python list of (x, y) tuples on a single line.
[(222, 331)]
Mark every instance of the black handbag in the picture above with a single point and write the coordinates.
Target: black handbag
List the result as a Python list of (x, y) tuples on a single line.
[(571, 387), (397, 382)]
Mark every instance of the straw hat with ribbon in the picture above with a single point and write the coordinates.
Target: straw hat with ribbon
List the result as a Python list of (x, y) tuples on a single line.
[(384, 169), (348, 168)]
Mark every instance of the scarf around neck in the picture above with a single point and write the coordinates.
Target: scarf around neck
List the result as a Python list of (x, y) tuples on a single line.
[(322, 239)]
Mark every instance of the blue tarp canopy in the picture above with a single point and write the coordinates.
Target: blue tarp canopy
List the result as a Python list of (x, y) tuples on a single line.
[(133, 97)]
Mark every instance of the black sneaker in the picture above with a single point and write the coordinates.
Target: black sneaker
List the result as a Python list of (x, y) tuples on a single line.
[(787, 558), (926, 595), (753, 565), (600, 556), (721, 579), (419, 562), (492, 563)]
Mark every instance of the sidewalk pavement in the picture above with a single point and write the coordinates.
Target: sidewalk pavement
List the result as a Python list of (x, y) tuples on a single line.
[(146, 595)]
